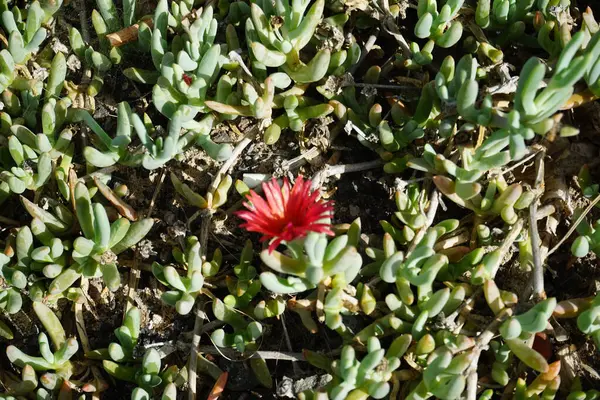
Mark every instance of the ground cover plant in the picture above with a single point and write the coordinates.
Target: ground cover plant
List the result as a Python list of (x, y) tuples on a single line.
[(346, 199)]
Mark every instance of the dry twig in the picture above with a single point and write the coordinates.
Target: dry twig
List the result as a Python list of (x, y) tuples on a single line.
[(331, 170), (206, 215), (574, 225), (538, 267)]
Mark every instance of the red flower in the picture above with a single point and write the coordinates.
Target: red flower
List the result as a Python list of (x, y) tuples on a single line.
[(286, 214), (187, 79)]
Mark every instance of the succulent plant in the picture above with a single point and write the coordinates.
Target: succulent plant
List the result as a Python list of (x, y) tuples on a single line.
[(245, 285), (438, 25), (127, 335), (420, 267), (169, 393), (533, 321), (588, 238), (370, 375), (95, 253), (279, 45), (25, 37), (147, 375), (588, 321), (461, 125), (184, 290), (212, 201), (55, 362), (244, 333), (39, 254), (312, 260)]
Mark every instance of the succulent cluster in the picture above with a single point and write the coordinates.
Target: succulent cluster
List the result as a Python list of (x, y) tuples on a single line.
[(420, 306)]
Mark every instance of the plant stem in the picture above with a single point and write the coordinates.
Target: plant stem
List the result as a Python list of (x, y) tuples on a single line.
[(85, 344), (574, 226), (366, 50), (266, 355), (8, 221), (161, 180), (85, 32), (330, 170), (481, 344), (538, 267), (199, 322), (206, 216), (384, 86)]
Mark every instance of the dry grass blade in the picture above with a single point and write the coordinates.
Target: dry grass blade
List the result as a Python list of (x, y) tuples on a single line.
[(219, 387), (123, 208)]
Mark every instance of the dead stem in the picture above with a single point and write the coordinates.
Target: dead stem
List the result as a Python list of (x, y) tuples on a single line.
[(384, 86), (319, 303), (481, 344), (288, 343), (331, 170), (130, 34), (538, 267), (267, 355), (206, 216), (8, 221), (199, 322), (127, 35), (156, 192), (85, 344), (462, 236), (85, 32), (134, 276), (237, 151), (574, 225), (366, 50)]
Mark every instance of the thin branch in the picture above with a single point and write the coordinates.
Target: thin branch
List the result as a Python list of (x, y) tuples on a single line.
[(85, 344), (521, 162), (205, 228), (384, 86), (366, 50), (8, 221), (574, 226), (481, 343), (538, 267), (85, 32), (237, 151), (266, 355), (297, 162), (161, 180), (198, 324), (288, 342), (330, 170), (134, 271)]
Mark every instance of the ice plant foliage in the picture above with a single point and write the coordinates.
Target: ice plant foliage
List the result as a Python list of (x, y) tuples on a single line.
[(287, 213)]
